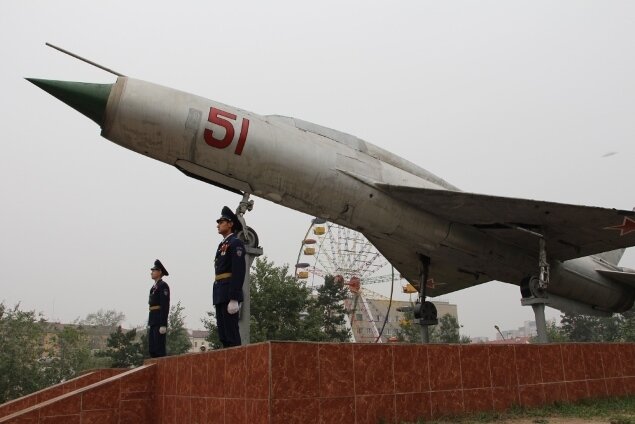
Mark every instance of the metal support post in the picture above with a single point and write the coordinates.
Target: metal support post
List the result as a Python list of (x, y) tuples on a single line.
[(534, 289), (425, 336), (252, 251), (424, 311), (245, 310), (538, 305), (425, 270), (541, 323)]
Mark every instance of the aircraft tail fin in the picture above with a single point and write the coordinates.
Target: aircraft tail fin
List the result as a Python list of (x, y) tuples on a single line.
[(613, 257)]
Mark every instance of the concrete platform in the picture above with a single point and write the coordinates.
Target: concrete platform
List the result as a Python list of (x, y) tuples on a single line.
[(289, 382)]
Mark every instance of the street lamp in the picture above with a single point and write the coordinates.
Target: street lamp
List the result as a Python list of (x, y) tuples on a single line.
[(499, 331)]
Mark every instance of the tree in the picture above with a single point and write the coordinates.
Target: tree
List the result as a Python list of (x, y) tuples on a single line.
[(579, 328), (22, 352), (555, 334), (210, 325), (325, 320), (109, 318), (144, 345), (177, 338), (586, 328), (123, 351), (628, 326), (279, 304), (446, 331), (609, 329), (283, 309), (409, 329), (71, 354), (465, 339)]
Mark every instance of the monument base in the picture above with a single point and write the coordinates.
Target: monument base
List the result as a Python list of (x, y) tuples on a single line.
[(293, 382)]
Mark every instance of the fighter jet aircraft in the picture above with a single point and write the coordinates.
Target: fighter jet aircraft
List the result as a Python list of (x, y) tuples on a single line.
[(427, 228)]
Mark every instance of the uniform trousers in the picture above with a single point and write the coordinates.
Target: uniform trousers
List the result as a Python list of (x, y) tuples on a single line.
[(227, 326), (156, 342)]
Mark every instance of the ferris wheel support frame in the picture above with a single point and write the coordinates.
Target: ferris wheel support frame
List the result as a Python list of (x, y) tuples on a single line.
[(370, 318), (360, 251)]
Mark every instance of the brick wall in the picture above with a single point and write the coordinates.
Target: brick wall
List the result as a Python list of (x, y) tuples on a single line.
[(328, 383), (124, 398), (40, 396), (280, 382)]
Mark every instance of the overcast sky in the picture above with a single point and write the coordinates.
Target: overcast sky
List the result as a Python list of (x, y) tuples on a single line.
[(532, 99)]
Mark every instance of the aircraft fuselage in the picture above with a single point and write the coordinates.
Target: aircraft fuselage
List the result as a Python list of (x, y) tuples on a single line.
[(329, 174)]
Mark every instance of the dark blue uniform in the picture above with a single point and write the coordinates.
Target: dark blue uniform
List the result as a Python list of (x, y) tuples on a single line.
[(159, 302), (229, 265)]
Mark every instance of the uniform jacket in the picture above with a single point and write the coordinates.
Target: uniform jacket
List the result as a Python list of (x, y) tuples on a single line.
[(230, 258), (159, 296)]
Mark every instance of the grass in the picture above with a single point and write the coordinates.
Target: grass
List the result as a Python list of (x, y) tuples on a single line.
[(614, 410)]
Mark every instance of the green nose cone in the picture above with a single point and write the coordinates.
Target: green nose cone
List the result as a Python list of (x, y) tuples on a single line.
[(87, 98)]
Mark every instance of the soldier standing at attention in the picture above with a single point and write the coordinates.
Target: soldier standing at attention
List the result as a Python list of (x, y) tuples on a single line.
[(159, 302), (229, 265)]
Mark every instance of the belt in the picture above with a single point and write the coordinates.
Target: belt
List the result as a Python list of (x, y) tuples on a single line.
[(155, 308), (223, 276)]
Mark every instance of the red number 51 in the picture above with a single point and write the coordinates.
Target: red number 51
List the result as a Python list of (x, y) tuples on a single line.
[(222, 118)]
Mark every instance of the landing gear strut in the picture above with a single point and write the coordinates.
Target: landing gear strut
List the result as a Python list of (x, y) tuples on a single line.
[(425, 311), (534, 289), (247, 235), (252, 251)]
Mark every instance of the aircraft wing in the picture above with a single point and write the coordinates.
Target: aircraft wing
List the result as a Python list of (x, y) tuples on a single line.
[(571, 231), (444, 277)]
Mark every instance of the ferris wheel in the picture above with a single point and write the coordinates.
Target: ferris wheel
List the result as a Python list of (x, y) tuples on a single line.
[(331, 249)]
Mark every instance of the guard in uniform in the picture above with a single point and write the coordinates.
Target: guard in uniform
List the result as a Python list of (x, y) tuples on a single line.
[(159, 302), (229, 265)]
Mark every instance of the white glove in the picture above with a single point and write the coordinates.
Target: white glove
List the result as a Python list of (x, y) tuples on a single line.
[(233, 307), (163, 330)]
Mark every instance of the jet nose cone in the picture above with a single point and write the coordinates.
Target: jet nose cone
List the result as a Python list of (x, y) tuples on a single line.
[(88, 98)]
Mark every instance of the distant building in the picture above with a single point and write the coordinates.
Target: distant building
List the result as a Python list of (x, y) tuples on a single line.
[(97, 335), (197, 340), (369, 314), (528, 330), (513, 340)]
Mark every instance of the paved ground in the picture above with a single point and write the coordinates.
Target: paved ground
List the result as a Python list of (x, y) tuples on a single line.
[(550, 420), (557, 421)]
